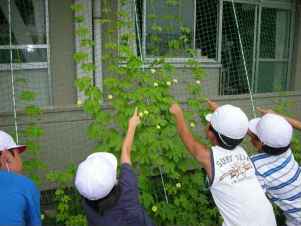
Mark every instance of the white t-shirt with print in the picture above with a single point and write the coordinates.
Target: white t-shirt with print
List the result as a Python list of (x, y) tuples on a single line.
[(236, 191)]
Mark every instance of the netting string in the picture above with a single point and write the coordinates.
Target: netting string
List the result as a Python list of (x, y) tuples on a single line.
[(244, 60), (143, 67), (12, 73)]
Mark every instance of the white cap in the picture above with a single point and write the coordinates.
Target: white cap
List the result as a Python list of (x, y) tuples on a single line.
[(272, 130), (229, 121), (96, 176), (8, 143), (253, 124)]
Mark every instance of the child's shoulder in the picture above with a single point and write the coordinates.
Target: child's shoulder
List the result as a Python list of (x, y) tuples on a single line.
[(259, 156)]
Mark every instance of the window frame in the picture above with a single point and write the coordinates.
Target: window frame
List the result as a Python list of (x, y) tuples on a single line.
[(181, 60), (91, 14), (32, 65), (288, 60), (260, 4), (257, 31)]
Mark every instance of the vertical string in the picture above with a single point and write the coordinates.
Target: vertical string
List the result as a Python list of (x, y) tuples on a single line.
[(244, 61), (12, 72), (143, 68)]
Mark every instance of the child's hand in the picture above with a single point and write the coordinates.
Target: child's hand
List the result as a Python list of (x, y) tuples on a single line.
[(264, 111), (135, 119), (212, 105), (175, 109)]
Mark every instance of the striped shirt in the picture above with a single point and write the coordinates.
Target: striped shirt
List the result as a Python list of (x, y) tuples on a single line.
[(280, 177)]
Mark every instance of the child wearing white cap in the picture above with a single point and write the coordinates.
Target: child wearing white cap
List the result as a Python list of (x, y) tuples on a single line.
[(233, 183), (108, 201), (19, 197), (294, 122), (276, 168)]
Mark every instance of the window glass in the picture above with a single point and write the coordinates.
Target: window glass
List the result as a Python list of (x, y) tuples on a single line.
[(274, 39), (173, 27), (28, 22), (169, 27), (234, 80), (28, 53), (4, 26), (272, 77), (206, 28)]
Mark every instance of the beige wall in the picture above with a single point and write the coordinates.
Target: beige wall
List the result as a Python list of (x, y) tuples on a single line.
[(65, 140), (62, 45)]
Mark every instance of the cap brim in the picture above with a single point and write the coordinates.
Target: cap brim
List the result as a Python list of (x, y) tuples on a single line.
[(20, 148), (253, 125), (208, 117)]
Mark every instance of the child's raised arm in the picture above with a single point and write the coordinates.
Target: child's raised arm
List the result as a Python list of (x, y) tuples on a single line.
[(199, 151), (294, 122), (128, 140)]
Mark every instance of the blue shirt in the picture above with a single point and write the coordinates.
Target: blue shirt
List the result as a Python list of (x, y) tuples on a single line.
[(280, 177), (19, 201), (127, 211)]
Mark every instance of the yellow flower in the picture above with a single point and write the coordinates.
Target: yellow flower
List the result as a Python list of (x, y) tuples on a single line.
[(110, 97), (198, 82), (158, 127), (79, 103), (192, 125), (141, 114), (175, 81), (178, 185), (168, 83), (145, 112), (154, 209), (153, 71), (156, 84)]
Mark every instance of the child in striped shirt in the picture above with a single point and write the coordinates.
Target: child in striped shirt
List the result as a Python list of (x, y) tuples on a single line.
[(276, 168)]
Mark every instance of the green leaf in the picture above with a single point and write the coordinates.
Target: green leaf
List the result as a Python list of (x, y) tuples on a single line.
[(88, 67), (27, 95), (79, 19), (33, 111), (33, 131), (80, 56), (82, 31), (77, 7)]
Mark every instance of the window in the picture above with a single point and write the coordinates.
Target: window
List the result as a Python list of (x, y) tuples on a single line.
[(274, 50), (172, 28), (265, 32), (233, 79), (24, 50)]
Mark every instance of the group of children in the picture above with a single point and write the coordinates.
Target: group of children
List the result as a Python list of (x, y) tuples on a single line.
[(242, 187)]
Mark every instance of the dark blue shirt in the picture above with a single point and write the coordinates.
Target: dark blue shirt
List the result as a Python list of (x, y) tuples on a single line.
[(19, 201), (127, 211)]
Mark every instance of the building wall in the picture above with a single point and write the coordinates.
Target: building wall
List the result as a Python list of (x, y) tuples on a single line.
[(62, 45), (297, 53), (65, 141)]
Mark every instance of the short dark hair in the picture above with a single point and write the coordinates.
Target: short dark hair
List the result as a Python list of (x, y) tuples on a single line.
[(274, 151), (224, 141), (270, 150), (106, 203)]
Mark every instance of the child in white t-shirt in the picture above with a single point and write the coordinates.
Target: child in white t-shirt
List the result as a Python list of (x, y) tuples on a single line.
[(233, 183)]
